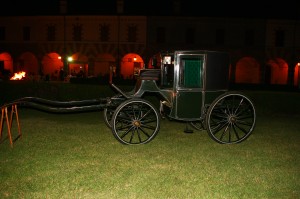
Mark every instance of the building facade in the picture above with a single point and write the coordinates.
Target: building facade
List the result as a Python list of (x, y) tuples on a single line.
[(263, 51)]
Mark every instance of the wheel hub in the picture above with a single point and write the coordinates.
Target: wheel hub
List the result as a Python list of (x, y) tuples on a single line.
[(232, 119), (136, 123)]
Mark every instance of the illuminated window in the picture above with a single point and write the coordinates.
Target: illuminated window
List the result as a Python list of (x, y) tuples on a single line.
[(2, 33), (51, 33), (104, 32), (132, 33), (26, 33)]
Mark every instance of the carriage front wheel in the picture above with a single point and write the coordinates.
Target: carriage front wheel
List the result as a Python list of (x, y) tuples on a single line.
[(135, 121), (230, 118)]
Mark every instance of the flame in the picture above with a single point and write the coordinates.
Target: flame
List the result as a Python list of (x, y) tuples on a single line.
[(18, 76)]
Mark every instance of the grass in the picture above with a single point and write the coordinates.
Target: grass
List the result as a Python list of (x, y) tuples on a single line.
[(76, 156)]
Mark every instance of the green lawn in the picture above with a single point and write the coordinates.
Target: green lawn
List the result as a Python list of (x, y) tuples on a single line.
[(76, 156)]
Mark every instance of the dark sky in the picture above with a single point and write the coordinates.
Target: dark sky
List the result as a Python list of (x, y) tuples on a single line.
[(289, 9)]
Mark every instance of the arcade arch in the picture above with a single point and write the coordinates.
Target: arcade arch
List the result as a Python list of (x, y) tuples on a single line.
[(78, 65), (155, 61), (28, 63), (130, 64), (51, 64), (296, 75), (6, 62), (278, 71), (102, 64), (247, 71)]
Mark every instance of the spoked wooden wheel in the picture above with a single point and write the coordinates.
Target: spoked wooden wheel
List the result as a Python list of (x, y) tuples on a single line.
[(230, 118), (135, 121)]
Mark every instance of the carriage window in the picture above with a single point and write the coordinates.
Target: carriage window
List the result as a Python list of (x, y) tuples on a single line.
[(191, 73), (168, 75)]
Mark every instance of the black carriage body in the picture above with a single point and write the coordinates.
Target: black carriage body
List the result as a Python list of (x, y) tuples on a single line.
[(193, 87), (198, 78)]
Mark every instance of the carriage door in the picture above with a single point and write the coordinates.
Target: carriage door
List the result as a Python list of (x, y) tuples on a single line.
[(189, 90)]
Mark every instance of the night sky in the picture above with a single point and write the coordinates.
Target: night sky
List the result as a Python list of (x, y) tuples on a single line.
[(288, 9)]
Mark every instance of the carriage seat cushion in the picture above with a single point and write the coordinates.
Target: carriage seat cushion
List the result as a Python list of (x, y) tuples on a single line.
[(150, 74)]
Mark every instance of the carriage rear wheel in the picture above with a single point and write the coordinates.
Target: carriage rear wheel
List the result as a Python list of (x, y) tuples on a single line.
[(230, 118), (135, 121)]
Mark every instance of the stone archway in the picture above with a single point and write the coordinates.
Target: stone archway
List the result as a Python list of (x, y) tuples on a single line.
[(78, 65), (52, 64), (279, 71), (102, 64), (6, 62), (247, 71), (130, 65), (297, 75), (28, 63)]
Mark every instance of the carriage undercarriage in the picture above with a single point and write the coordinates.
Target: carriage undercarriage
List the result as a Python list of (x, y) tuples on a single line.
[(229, 119)]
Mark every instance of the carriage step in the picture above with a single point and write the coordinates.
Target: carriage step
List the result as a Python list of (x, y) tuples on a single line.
[(187, 129)]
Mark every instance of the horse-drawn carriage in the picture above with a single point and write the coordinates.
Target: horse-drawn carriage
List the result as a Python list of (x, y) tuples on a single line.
[(191, 86)]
